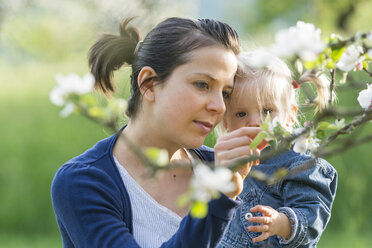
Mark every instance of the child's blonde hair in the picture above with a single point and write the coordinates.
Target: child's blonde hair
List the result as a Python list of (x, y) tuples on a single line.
[(270, 79)]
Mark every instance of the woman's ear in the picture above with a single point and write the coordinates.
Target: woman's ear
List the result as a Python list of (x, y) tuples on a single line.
[(145, 82)]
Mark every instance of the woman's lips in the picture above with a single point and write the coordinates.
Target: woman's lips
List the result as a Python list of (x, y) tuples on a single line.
[(206, 127)]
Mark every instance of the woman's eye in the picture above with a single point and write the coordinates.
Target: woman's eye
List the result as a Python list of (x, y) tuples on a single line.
[(267, 111), (202, 85), (240, 114)]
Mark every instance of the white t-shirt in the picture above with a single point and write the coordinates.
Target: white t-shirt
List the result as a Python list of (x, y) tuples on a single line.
[(153, 224)]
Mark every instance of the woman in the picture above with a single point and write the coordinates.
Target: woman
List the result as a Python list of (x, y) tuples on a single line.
[(181, 73)]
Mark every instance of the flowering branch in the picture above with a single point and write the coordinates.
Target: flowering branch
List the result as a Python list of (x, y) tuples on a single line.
[(343, 43), (302, 42)]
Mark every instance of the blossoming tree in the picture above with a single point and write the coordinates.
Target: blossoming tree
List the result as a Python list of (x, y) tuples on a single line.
[(303, 46)]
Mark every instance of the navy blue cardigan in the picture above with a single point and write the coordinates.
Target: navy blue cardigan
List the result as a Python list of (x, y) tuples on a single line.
[(93, 208)]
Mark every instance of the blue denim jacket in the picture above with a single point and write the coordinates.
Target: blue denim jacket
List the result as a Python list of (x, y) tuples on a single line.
[(305, 197)]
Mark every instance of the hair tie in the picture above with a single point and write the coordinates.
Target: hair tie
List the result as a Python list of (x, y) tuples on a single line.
[(296, 84), (137, 46)]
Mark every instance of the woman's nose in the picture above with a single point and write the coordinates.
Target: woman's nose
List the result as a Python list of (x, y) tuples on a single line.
[(216, 104)]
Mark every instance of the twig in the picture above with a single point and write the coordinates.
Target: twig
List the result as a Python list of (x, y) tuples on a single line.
[(369, 73), (331, 86), (346, 145), (348, 128), (343, 43)]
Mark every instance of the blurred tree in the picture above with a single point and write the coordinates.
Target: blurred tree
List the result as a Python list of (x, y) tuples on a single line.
[(256, 16)]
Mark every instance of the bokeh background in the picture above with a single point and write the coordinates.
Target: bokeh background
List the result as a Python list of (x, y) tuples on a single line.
[(40, 38)]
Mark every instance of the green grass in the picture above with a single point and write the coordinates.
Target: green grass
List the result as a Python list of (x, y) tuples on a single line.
[(34, 142), (344, 239), (23, 241)]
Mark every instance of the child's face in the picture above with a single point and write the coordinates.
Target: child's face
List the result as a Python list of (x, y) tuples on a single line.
[(244, 110)]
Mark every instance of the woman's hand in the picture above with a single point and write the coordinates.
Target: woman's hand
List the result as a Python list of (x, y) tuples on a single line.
[(271, 223), (235, 146)]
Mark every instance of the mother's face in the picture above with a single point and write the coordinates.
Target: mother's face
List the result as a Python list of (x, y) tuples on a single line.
[(190, 103)]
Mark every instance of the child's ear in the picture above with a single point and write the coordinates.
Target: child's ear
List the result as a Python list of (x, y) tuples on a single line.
[(145, 82)]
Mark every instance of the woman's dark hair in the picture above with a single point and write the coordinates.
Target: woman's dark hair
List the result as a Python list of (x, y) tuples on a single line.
[(165, 47)]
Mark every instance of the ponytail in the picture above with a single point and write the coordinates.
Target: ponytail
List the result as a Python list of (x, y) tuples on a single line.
[(110, 52), (167, 46), (321, 83)]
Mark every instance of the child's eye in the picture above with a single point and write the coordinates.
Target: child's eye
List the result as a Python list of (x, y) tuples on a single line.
[(267, 111), (226, 94), (202, 85), (240, 114)]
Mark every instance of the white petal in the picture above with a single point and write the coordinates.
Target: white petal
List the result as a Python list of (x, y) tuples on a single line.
[(68, 109), (365, 97), (56, 96), (300, 145)]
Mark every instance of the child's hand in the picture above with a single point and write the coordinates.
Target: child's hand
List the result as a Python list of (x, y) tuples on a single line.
[(272, 223)]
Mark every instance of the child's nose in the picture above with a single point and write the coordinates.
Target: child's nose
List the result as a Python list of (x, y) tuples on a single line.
[(254, 120)]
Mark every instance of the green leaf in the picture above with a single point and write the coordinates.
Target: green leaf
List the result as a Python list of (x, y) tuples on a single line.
[(96, 112), (330, 64), (265, 125), (88, 100), (258, 139), (337, 53), (199, 209), (158, 156), (365, 65), (310, 65), (323, 125), (320, 134), (273, 144)]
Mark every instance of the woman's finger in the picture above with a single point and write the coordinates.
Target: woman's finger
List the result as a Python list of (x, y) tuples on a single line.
[(237, 152), (231, 143), (243, 131)]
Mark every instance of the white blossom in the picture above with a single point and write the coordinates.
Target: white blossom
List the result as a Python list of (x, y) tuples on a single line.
[(350, 58), (339, 123), (70, 84), (369, 35), (207, 183), (305, 142), (365, 97), (370, 53), (260, 58), (67, 110), (302, 39), (276, 122)]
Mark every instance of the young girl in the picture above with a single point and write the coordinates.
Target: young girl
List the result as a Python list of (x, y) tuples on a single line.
[(182, 72), (295, 211)]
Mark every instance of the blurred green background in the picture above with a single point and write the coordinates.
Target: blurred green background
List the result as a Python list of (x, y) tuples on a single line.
[(40, 38)]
